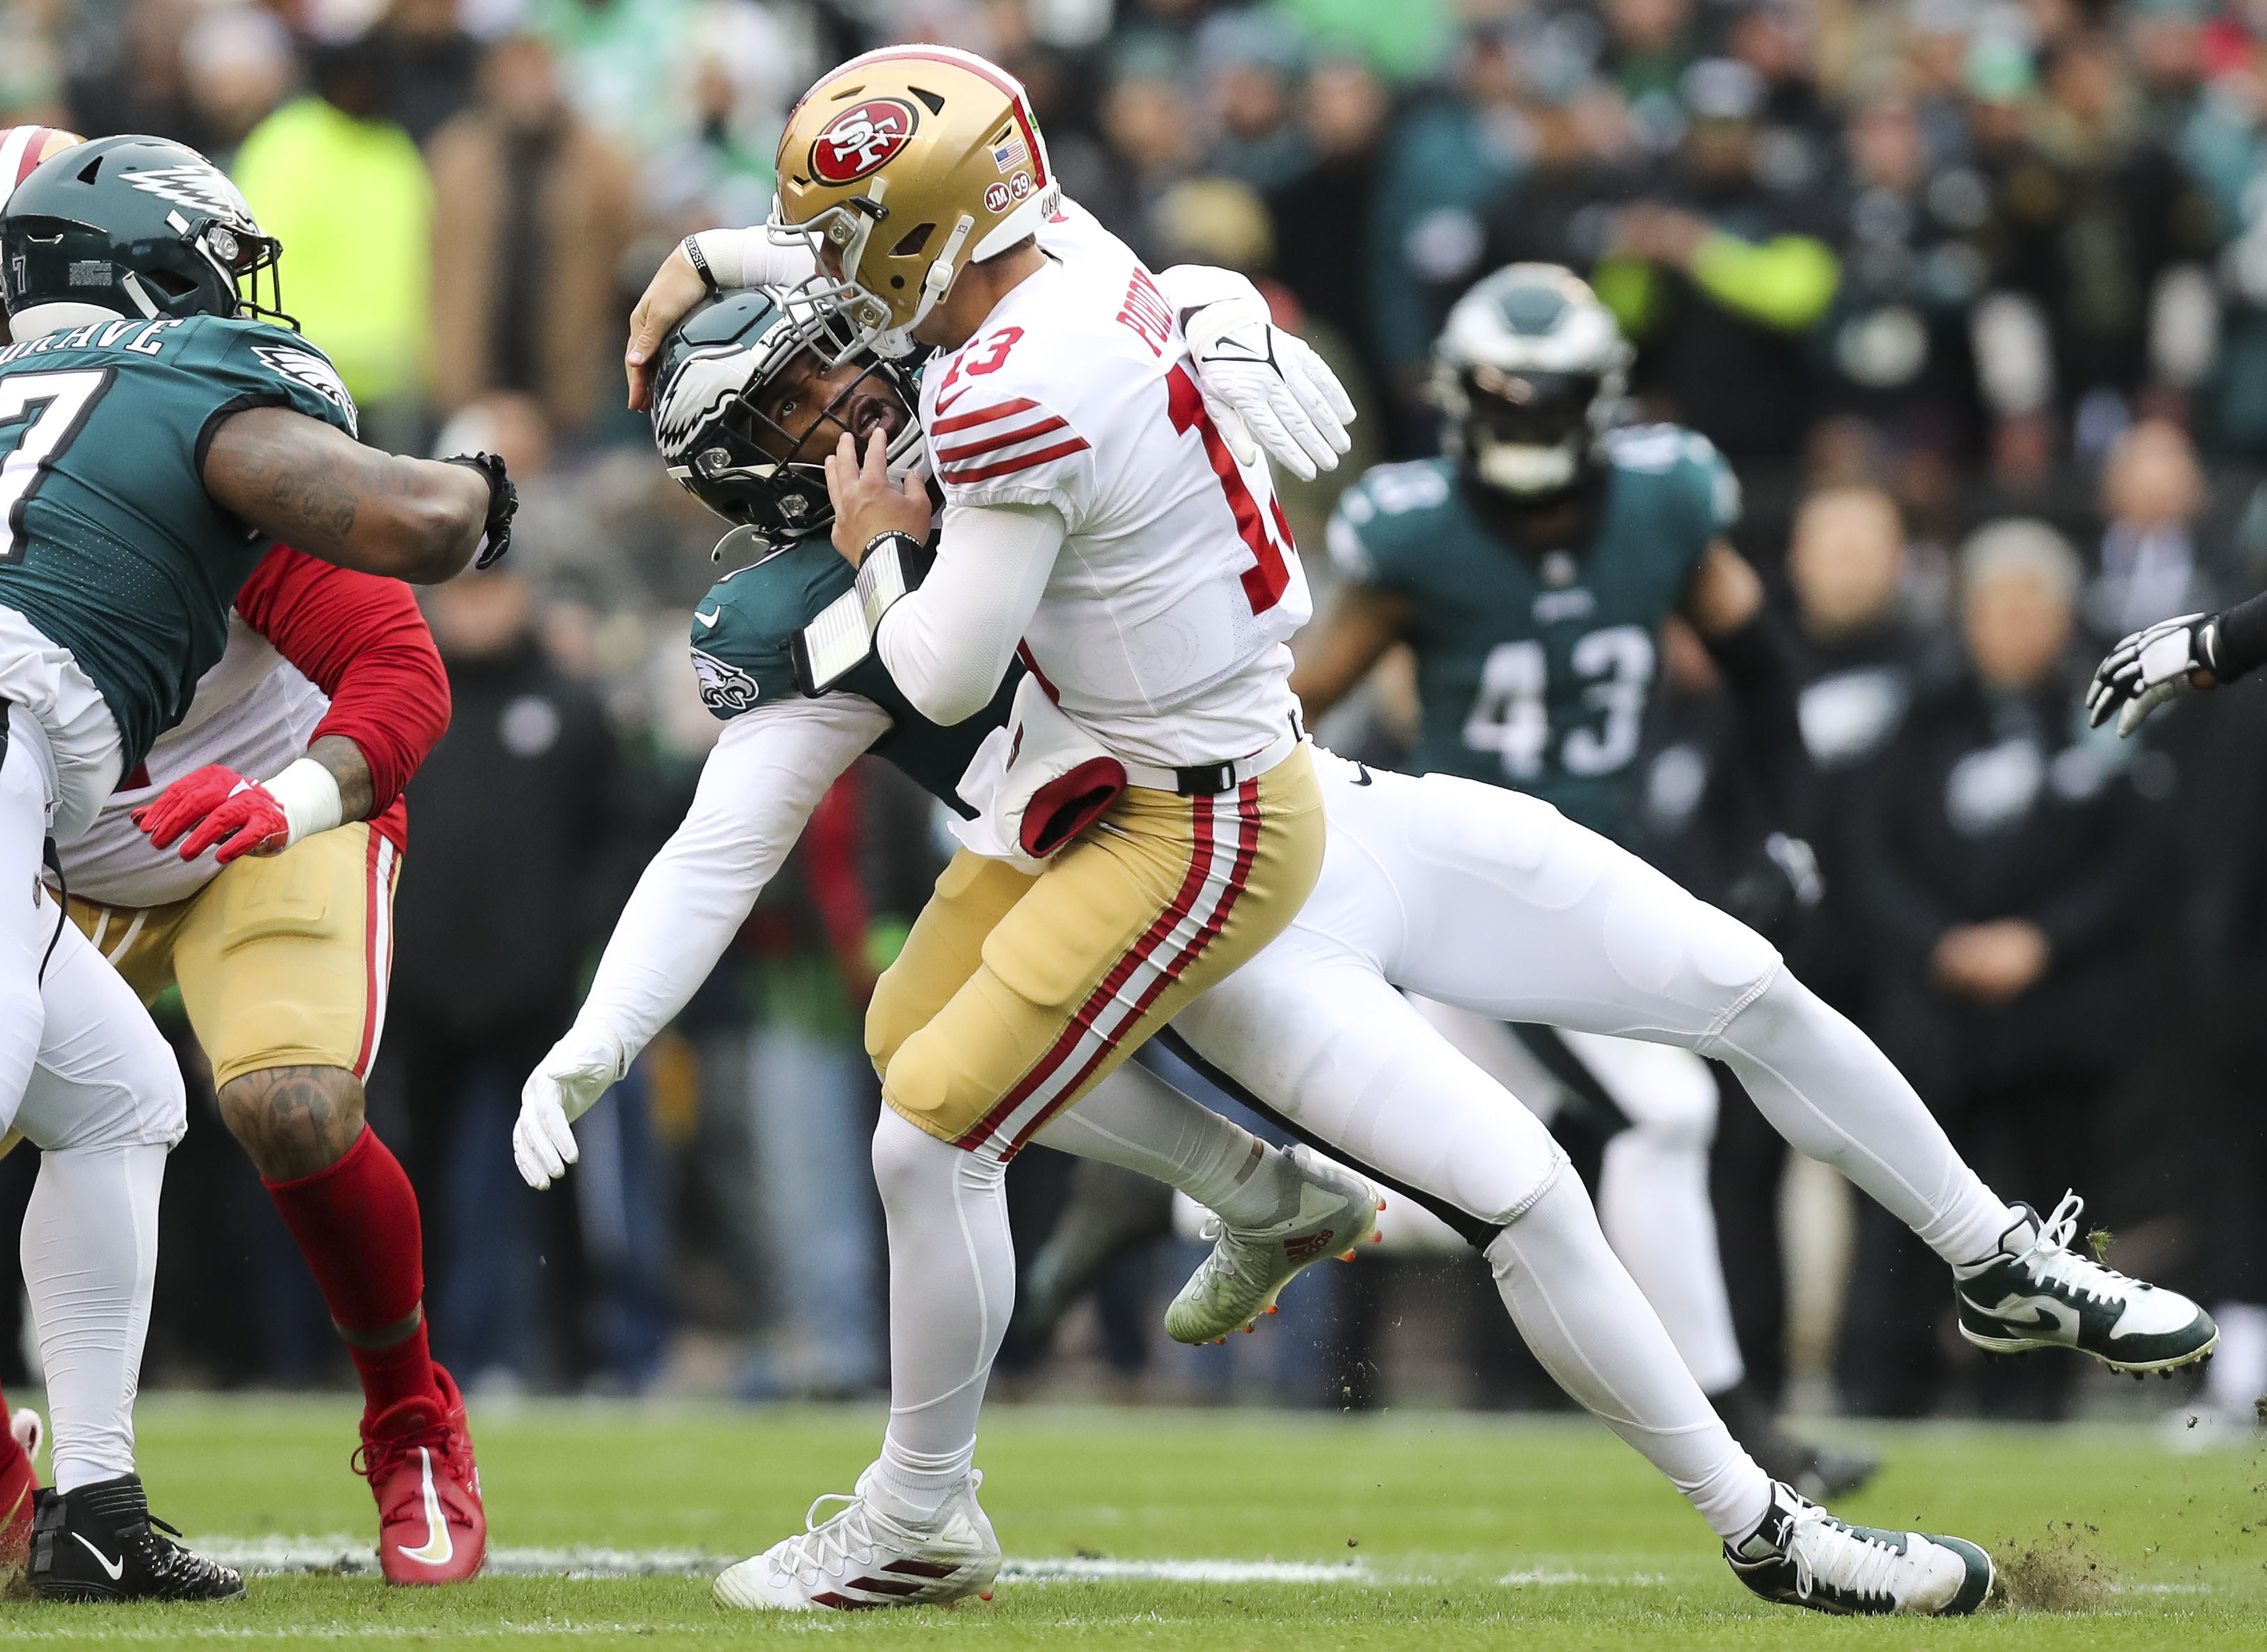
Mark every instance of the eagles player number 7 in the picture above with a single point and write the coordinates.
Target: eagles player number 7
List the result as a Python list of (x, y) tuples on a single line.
[(58, 403)]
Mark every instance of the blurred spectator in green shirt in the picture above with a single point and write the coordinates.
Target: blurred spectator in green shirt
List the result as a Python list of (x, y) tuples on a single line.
[(346, 192)]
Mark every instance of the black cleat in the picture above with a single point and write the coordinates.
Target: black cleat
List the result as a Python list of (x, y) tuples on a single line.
[(101, 1543)]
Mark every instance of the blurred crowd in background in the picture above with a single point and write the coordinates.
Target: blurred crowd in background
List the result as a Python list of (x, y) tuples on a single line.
[(1973, 293)]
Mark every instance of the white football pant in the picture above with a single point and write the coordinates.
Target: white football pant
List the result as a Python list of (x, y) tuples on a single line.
[(1492, 901), (87, 1077), (1653, 1179)]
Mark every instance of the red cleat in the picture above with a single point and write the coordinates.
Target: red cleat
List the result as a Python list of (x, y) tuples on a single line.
[(18, 1479), (418, 1459)]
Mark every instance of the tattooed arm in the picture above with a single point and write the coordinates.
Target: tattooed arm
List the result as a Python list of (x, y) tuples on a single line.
[(317, 489)]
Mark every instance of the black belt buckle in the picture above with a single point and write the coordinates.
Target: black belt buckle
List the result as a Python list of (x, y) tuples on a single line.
[(1204, 780)]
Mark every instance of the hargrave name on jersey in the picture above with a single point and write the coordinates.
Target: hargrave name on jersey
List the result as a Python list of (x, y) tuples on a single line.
[(147, 338)]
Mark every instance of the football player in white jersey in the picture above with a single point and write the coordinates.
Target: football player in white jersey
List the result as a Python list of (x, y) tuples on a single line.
[(1158, 794), (1474, 897), (1313, 1020)]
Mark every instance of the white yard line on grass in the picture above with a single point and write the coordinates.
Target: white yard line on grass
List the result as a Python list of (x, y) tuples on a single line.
[(347, 1554)]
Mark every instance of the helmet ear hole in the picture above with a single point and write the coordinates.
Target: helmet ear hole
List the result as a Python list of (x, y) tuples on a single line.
[(174, 285), (915, 238), (86, 173)]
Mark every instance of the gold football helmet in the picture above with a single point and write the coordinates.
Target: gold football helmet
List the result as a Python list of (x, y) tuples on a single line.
[(901, 166)]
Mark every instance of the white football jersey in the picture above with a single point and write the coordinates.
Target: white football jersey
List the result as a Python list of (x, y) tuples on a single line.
[(253, 712), (1162, 628)]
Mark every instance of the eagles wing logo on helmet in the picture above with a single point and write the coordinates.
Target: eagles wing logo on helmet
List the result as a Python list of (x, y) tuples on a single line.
[(702, 387), (204, 189), (860, 139), (724, 687), (317, 374)]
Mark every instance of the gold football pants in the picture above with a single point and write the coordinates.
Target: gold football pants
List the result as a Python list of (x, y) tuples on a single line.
[(1015, 996), (282, 959)]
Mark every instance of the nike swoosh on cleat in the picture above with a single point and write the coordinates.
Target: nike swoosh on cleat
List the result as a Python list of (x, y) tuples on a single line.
[(114, 1569), (710, 618), (438, 1547), (2033, 1310)]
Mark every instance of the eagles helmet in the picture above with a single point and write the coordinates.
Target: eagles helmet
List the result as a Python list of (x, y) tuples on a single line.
[(1528, 373), (715, 420), (132, 228)]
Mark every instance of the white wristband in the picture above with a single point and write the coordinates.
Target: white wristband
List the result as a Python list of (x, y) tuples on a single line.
[(309, 796)]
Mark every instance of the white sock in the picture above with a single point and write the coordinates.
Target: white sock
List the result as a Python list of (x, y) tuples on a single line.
[(952, 1287), (89, 1256), (1833, 1096), (1653, 1203), (1134, 1119), (2238, 1377), (1595, 1333)]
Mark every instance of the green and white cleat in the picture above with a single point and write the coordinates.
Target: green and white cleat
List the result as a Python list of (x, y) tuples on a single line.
[(2038, 1292), (1802, 1556), (865, 1558), (1249, 1266)]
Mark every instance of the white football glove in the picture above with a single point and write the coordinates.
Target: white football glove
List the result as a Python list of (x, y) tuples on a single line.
[(2152, 665), (566, 1084), (1266, 388)]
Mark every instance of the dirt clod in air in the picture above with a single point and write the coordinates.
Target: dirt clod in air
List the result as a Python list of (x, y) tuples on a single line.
[(2055, 1574)]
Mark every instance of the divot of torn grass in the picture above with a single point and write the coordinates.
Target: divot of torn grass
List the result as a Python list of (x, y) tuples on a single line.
[(2056, 1574)]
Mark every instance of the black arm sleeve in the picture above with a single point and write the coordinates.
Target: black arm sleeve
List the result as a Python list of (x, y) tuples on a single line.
[(1757, 671), (2242, 639)]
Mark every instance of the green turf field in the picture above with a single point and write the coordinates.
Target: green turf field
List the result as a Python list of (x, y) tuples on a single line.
[(1420, 1530)]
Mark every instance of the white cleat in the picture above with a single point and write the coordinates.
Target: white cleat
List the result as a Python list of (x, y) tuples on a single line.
[(2035, 1292), (1249, 1266), (1802, 1556), (864, 1558)]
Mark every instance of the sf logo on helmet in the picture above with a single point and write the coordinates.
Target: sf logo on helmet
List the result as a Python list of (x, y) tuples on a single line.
[(861, 137)]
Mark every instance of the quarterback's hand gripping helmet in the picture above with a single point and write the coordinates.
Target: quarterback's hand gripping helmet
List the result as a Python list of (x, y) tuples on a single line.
[(1528, 373), (724, 436), (899, 167), (131, 228)]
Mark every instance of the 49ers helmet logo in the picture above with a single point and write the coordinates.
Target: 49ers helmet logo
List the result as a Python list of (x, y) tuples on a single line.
[(860, 139)]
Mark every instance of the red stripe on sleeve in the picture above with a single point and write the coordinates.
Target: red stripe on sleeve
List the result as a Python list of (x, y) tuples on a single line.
[(1008, 467), (981, 415), (993, 444)]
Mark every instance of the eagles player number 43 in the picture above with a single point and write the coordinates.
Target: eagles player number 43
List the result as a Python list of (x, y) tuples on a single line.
[(58, 404), (1509, 715)]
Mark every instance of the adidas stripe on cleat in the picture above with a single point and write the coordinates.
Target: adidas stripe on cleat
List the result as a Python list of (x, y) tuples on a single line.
[(1248, 1267), (2035, 1292), (1802, 1556), (864, 1558)]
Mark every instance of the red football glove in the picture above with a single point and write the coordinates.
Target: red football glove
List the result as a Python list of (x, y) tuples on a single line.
[(241, 815)]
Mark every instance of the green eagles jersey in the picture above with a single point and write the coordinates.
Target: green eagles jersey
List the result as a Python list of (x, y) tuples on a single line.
[(742, 634), (1534, 671), (108, 542)]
